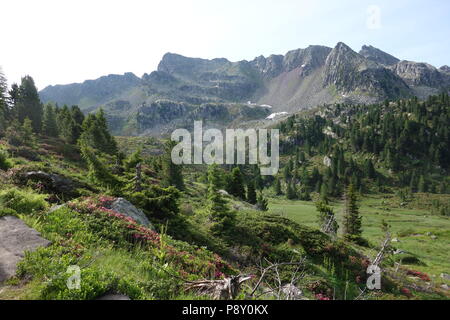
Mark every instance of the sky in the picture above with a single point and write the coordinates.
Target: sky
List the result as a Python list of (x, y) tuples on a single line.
[(66, 41)]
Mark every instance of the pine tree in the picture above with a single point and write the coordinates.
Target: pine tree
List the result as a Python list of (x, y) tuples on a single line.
[(277, 187), (96, 133), (28, 104), (352, 219), (291, 192), (236, 184), (422, 186), (98, 171), (3, 102), (220, 214), (172, 174), (326, 217), (262, 203), (251, 193), (49, 125)]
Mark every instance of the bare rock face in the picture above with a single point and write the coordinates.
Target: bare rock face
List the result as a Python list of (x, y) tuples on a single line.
[(378, 56), (126, 208), (16, 238), (420, 74)]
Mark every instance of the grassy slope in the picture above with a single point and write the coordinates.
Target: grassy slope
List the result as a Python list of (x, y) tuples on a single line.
[(410, 226)]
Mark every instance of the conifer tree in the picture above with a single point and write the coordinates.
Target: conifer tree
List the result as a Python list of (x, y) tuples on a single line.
[(28, 104), (236, 184), (326, 217), (251, 193), (3, 102), (172, 174), (277, 187), (49, 125), (352, 218), (220, 214), (262, 203)]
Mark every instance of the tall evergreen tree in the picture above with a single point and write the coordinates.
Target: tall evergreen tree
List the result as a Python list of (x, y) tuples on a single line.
[(49, 125), (236, 184), (3, 102), (28, 104), (277, 187), (172, 174), (251, 192), (220, 214), (352, 218)]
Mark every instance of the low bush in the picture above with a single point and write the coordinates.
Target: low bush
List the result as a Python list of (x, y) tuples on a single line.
[(22, 201)]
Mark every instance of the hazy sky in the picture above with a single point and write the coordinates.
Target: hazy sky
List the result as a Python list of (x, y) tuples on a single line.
[(65, 41)]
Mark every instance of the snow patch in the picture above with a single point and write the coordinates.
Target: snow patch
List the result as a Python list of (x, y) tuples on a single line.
[(276, 114)]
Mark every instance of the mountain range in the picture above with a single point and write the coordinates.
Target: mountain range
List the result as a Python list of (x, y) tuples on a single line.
[(224, 93)]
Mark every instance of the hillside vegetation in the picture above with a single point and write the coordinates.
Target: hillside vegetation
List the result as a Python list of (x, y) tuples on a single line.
[(62, 171)]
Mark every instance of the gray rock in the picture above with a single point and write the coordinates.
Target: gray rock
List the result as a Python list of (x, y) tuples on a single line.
[(113, 296), (16, 238), (445, 276), (445, 287), (125, 207)]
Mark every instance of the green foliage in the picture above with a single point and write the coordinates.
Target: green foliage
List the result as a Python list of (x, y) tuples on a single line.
[(5, 163), (326, 217), (251, 193), (352, 218), (96, 134), (262, 203), (49, 125), (99, 173), (159, 203), (22, 201), (277, 187), (28, 105), (133, 160), (236, 184), (172, 174)]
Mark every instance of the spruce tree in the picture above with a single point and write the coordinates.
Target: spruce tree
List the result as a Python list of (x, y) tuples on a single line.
[(262, 203), (236, 184), (220, 214), (28, 104), (3, 102), (277, 187), (172, 174), (326, 217), (352, 219), (49, 125), (251, 193)]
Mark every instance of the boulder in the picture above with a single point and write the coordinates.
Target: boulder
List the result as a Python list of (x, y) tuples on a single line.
[(53, 182), (123, 206), (16, 238)]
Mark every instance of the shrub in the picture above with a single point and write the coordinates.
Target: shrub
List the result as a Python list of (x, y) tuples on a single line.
[(5, 163), (22, 201)]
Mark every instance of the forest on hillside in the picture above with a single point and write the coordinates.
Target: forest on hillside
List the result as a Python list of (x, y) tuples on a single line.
[(359, 186)]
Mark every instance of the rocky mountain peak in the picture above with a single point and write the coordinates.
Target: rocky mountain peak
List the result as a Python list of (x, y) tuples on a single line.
[(445, 69), (378, 56), (419, 74)]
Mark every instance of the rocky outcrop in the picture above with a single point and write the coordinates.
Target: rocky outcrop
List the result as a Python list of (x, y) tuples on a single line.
[(378, 56), (300, 79), (123, 206), (420, 74), (16, 238), (52, 182), (351, 73)]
